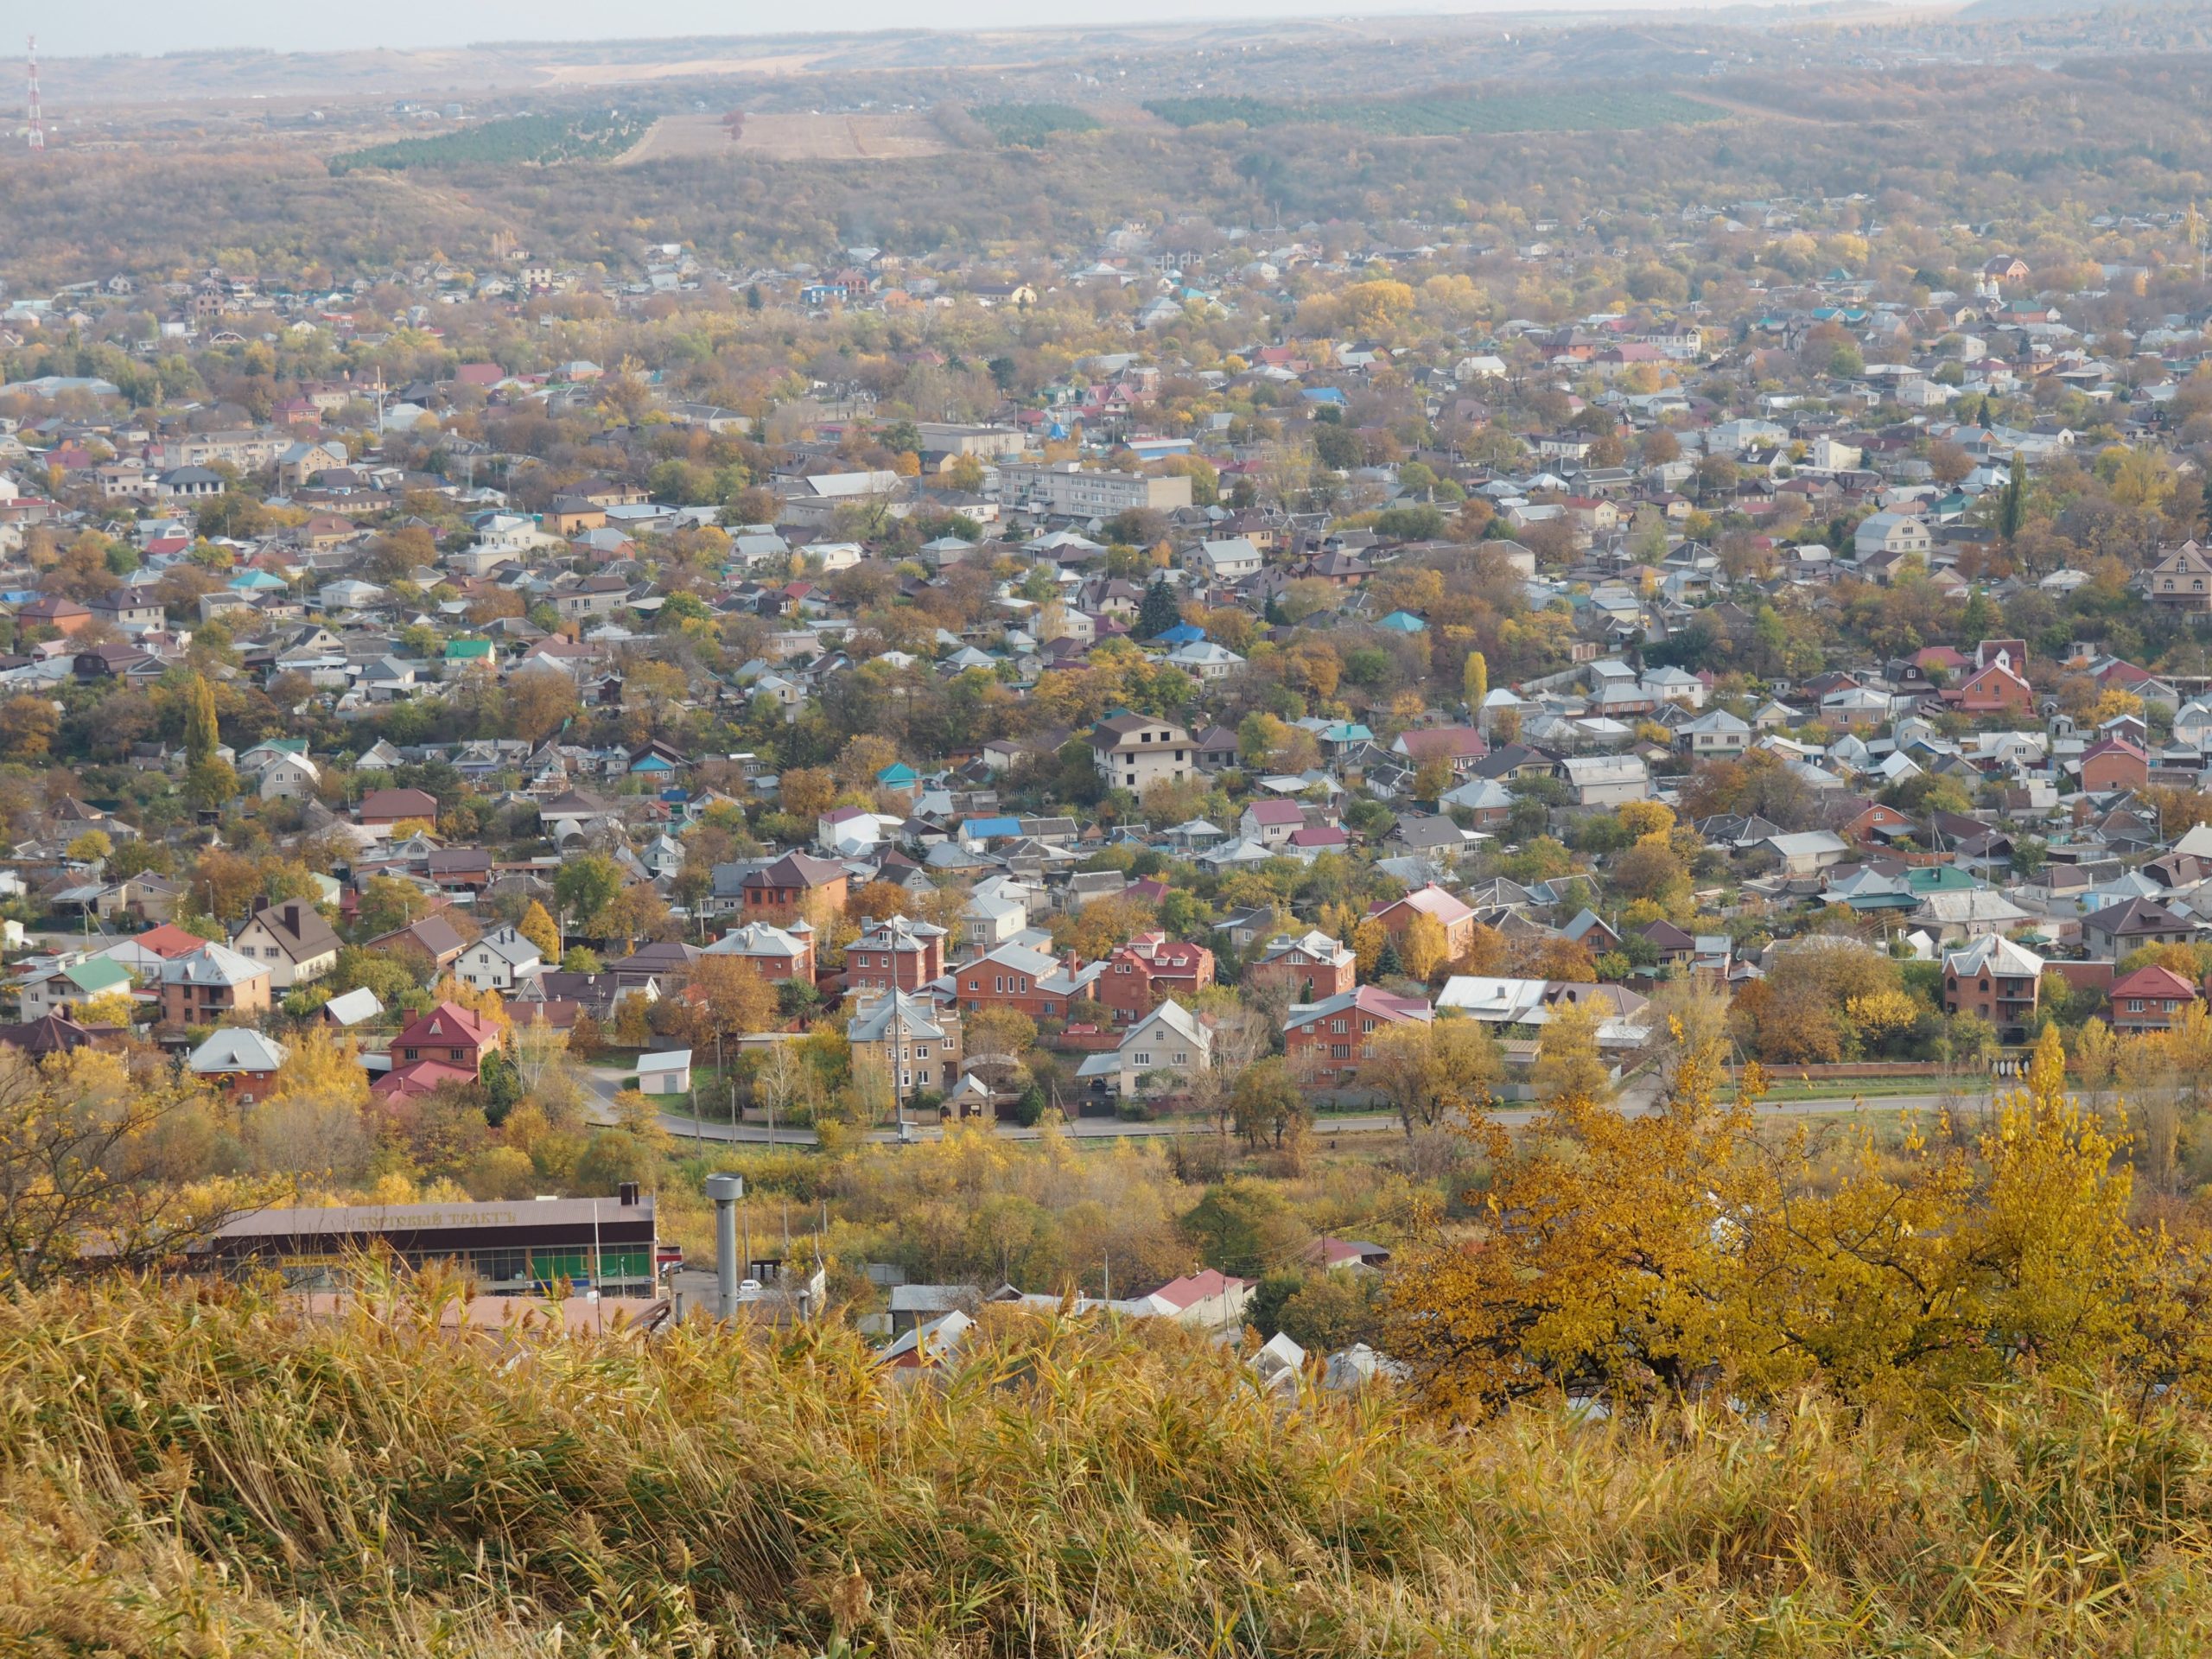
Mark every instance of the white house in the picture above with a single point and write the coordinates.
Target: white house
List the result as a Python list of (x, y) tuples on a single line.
[(1230, 560), (1202, 659), (289, 777), (1890, 532), (1167, 1040), (499, 960)]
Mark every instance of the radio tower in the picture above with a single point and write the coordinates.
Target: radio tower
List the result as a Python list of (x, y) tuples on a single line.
[(37, 119)]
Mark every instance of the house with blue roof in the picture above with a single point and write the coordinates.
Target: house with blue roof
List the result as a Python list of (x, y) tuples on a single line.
[(975, 831), (1403, 622), (1183, 633), (897, 775)]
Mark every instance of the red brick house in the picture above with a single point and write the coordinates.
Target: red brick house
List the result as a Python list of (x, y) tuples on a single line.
[(1312, 968), (2114, 763), (2149, 998), (447, 1044), (52, 610), (1996, 980), (896, 953), (787, 888), (1996, 689), (1028, 981), (1148, 969), (1456, 919), (1326, 1041)]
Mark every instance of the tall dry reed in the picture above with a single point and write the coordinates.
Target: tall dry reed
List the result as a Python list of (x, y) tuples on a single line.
[(208, 1473)]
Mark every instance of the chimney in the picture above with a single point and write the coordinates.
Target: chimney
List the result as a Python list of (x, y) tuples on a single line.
[(725, 1190), (260, 904), (627, 1192), (292, 917)]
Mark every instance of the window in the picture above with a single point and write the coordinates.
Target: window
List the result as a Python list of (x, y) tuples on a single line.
[(1182, 1058), (459, 1054), (1001, 984), (921, 1051), (1142, 1060), (2135, 1005), (412, 1054), (1338, 1027)]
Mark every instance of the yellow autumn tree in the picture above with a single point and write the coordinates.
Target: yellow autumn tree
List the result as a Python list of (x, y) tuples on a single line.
[(1638, 1258), (1644, 819), (1423, 947), (1367, 941), (538, 926)]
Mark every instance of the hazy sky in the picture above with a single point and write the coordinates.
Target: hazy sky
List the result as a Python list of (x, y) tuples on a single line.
[(158, 26)]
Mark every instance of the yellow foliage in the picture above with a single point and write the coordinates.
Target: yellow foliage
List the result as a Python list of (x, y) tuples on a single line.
[(1646, 1254)]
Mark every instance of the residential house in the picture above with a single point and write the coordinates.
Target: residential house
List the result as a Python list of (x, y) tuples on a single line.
[(2181, 580), (445, 1045), (499, 960), (1134, 752), (1457, 920), (1149, 968), (1716, 733), (2148, 999), (1996, 980), (897, 953), (778, 953), (916, 1039), (1312, 968), (238, 1061), (205, 986), (794, 885), (291, 938), (431, 942), (2120, 930), (1158, 1056), (383, 807), (1326, 1041), (1607, 779), (2114, 763), (1014, 976)]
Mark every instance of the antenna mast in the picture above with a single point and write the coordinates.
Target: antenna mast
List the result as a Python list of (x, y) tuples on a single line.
[(34, 116)]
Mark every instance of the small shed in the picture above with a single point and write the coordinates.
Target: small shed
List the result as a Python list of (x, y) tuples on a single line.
[(668, 1073)]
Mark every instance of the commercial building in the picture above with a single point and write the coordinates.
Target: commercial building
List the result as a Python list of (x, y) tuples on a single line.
[(520, 1248)]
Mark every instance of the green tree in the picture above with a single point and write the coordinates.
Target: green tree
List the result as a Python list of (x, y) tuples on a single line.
[(2012, 504), (585, 887), (1159, 612)]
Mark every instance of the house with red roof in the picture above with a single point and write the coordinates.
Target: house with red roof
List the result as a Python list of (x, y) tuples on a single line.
[(1271, 823), (1150, 967), (1459, 746), (1457, 920), (1209, 1299), (2114, 763), (169, 940), (1327, 1040), (2149, 998), (1994, 688), (447, 1044)]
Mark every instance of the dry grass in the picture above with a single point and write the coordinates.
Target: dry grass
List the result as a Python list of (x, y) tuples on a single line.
[(213, 1476)]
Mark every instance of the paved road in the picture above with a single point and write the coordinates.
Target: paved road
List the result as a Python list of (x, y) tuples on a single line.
[(1641, 1095)]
